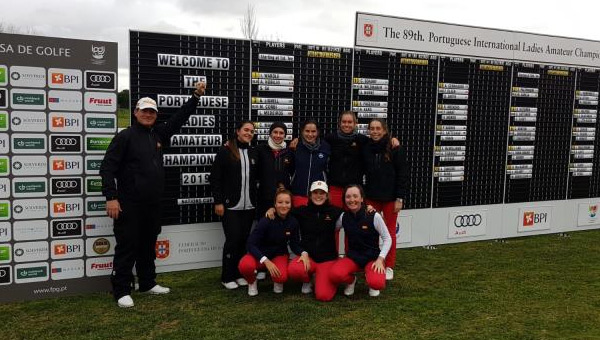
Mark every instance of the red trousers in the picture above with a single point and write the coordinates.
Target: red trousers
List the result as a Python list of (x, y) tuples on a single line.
[(249, 265), (324, 289), (298, 201), (343, 269), (389, 217)]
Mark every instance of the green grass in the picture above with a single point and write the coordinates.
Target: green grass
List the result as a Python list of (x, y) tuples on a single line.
[(123, 118), (543, 287)]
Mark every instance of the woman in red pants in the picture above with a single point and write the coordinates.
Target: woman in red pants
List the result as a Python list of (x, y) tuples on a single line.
[(387, 180), (268, 245), (363, 231)]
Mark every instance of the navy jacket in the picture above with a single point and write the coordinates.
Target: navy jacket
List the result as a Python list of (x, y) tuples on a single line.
[(310, 166), (317, 230), (273, 170), (271, 238), (363, 238)]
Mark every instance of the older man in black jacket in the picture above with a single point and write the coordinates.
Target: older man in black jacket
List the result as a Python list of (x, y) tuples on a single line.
[(133, 184)]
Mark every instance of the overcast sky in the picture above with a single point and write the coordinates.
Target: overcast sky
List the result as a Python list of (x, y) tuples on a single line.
[(300, 21)]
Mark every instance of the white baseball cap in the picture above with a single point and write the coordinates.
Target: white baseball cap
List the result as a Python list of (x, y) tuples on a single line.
[(146, 103), (319, 185)]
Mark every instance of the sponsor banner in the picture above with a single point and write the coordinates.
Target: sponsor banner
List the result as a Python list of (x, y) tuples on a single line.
[(189, 247), (63, 78), (588, 214), (29, 187), (30, 251), (93, 185), (66, 186), (30, 208), (31, 272), (65, 143), (4, 166), (100, 246), (4, 143), (97, 143), (5, 275), (100, 80), (5, 211), (28, 143), (5, 253), (98, 226), (100, 123), (66, 207), (30, 230), (66, 165), (70, 269), (3, 75), (5, 232), (99, 266), (467, 223), (100, 102), (95, 206), (26, 76), (3, 98), (66, 249), (72, 227), (92, 165), (3, 121), (535, 218), (28, 121), (29, 165), (59, 100), (25, 99), (65, 122), (4, 188)]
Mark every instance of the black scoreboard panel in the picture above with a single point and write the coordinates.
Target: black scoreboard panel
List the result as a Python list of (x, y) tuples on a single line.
[(166, 67), (582, 182), (412, 100)]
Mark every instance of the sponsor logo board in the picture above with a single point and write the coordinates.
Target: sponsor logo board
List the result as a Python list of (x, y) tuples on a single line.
[(100, 102), (59, 100), (30, 230), (67, 228), (31, 272), (588, 214), (4, 188), (93, 185), (5, 253), (27, 99), (535, 218), (5, 232), (101, 81), (29, 165), (97, 143), (4, 146), (4, 166), (467, 223), (66, 249), (99, 266), (66, 186), (100, 246), (95, 206), (100, 123), (28, 143), (24, 209), (98, 226), (65, 143), (66, 207), (5, 275), (28, 121), (29, 187), (92, 165), (65, 122), (3, 121), (27, 76), (3, 75), (30, 251), (62, 78), (66, 165), (5, 211), (69, 269)]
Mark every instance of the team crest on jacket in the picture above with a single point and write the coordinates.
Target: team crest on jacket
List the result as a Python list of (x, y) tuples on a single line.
[(353, 144), (321, 155), (158, 145), (364, 227), (288, 233), (327, 217), (162, 249)]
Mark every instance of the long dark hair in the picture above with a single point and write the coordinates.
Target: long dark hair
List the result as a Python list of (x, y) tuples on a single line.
[(232, 143), (387, 155)]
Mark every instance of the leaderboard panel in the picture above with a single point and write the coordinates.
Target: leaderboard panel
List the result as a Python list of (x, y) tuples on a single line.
[(413, 91), (582, 182), (166, 67), (470, 144)]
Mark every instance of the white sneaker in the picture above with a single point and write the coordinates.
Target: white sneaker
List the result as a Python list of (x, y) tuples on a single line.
[(349, 290), (230, 285), (158, 290), (277, 288), (261, 275), (306, 288), (253, 288), (389, 274), (241, 282), (373, 292), (125, 301)]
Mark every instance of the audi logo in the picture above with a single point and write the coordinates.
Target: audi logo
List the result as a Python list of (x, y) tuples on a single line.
[(66, 184), (467, 220), (67, 226), (100, 78), (65, 141)]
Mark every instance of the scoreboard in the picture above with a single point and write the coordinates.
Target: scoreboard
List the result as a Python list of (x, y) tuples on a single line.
[(480, 128)]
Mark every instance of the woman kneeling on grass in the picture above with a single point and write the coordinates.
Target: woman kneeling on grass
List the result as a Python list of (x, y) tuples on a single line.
[(268, 245), (363, 232)]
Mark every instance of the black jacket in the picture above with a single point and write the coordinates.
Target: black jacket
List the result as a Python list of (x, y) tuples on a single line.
[(226, 176), (317, 230), (345, 162), (271, 238), (385, 180), (273, 170), (132, 168)]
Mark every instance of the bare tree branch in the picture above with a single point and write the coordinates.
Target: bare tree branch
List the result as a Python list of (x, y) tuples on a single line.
[(249, 23), (14, 29)]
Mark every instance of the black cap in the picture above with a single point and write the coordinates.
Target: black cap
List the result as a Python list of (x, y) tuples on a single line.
[(278, 125)]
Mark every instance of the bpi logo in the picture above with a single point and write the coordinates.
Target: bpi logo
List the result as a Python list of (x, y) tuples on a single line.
[(64, 208), (530, 218), (61, 122), (368, 30), (61, 164), (162, 249), (64, 249), (58, 78)]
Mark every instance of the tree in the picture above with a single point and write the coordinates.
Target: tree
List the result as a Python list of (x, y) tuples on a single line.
[(14, 29), (249, 24), (123, 99)]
